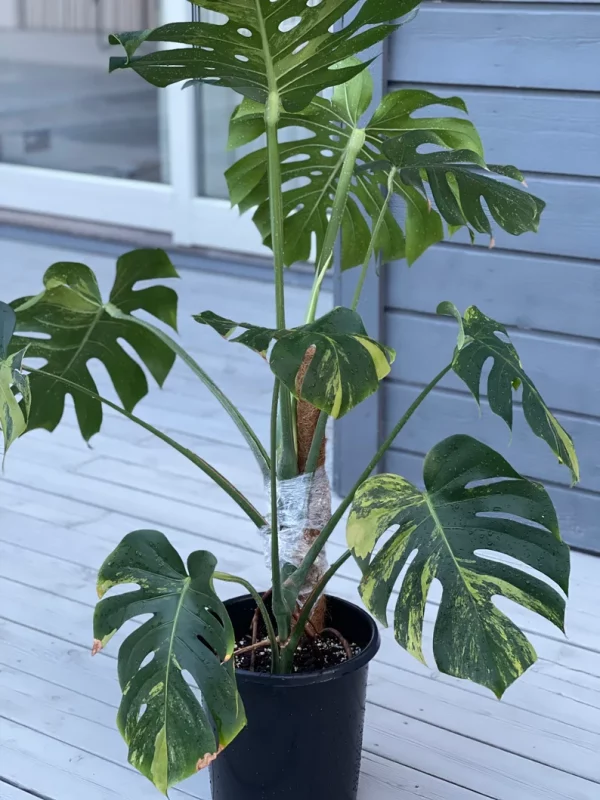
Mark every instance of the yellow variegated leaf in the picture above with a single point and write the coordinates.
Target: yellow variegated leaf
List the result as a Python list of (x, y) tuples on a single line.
[(15, 394), (473, 503), (169, 735), (345, 365)]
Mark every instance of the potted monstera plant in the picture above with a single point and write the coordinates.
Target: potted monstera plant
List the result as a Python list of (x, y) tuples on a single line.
[(282, 673)]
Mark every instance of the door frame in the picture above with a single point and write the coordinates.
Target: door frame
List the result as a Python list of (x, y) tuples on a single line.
[(173, 208)]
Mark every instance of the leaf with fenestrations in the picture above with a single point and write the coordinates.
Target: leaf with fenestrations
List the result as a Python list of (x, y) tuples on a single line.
[(169, 735), (479, 340), (312, 162), (15, 395), (345, 364), (77, 325), (261, 46), (474, 502), (459, 180)]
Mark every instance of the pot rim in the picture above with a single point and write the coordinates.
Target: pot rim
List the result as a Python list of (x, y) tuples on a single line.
[(322, 676)]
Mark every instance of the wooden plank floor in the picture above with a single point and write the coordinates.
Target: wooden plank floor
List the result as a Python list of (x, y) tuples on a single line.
[(63, 506)]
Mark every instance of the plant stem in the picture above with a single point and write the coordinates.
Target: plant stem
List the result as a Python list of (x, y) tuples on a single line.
[(316, 291), (242, 424), (224, 576), (355, 145), (288, 459), (287, 654), (317, 441), (279, 608), (235, 494), (374, 237), (299, 576)]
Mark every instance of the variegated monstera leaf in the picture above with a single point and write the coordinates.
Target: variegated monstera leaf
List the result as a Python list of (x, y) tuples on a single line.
[(459, 180), (481, 339), (69, 324), (259, 47), (313, 156), (474, 512), (345, 365), (169, 735), (312, 161), (15, 395)]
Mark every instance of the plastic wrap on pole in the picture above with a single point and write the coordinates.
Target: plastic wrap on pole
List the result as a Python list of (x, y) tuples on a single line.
[(304, 504)]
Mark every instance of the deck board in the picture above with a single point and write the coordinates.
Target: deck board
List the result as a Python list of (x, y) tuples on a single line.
[(64, 505)]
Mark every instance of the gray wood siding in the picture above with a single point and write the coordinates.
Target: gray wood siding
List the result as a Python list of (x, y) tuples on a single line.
[(530, 74)]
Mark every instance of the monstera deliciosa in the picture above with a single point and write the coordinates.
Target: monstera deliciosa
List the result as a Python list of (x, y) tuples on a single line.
[(478, 527), (479, 342), (345, 364), (312, 166), (473, 502), (77, 325), (169, 735), (262, 47), (458, 187)]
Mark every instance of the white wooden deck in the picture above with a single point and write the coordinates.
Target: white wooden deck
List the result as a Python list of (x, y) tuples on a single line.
[(64, 506)]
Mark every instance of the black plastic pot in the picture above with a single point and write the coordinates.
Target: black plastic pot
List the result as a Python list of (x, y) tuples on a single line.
[(304, 735)]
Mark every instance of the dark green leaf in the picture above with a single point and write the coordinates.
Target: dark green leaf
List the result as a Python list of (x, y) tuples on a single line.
[(346, 366), (15, 395), (474, 502), (288, 47), (458, 186), (76, 326), (311, 165), (478, 342), (168, 733)]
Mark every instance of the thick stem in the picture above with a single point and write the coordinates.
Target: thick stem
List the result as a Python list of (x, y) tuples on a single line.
[(287, 653), (221, 481), (279, 608), (224, 576), (338, 209), (299, 576), (374, 237), (317, 443), (288, 462)]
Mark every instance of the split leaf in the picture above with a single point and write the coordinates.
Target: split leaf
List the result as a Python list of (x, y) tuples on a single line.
[(474, 502)]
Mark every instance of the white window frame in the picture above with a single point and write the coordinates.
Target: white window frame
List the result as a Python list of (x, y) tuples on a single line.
[(173, 208)]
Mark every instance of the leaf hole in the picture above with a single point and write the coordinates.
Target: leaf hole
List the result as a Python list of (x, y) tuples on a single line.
[(505, 516), (316, 172), (485, 482), (335, 137), (214, 614), (142, 711), (245, 32), (207, 49), (242, 58), (299, 49), (297, 157), (327, 153), (289, 24), (148, 660), (313, 3), (208, 646)]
